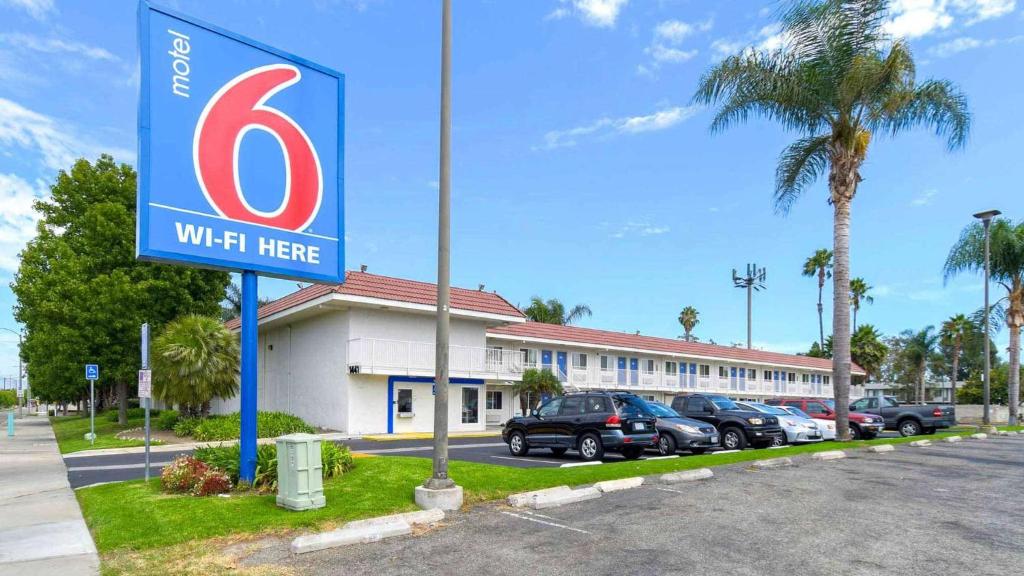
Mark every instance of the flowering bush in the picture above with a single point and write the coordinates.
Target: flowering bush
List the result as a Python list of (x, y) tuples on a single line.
[(182, 474), (212, 482)]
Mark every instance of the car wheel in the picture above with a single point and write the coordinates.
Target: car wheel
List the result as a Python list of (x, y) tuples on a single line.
[(558, 451), (632, 453), (517, 444), (733, 439), (929, 430), (855, 432), (666, 445), (591, 448), (910, 428), (778, 440), (698, 451)]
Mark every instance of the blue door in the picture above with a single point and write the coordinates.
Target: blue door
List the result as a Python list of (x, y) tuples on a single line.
[(561, 366), (743, 379), (634, 368), (775, 378), (693, 375), (545, 359), (732, 378), (622, 370)]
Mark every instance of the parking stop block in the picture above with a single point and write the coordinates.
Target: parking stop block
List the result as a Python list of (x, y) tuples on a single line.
[(525, 498), (829, 455), (923, 443), (347, 536), (772, 463), (979, 436), (552, 500), (621, 484), (881, 448), (952, 439), (687, 475)]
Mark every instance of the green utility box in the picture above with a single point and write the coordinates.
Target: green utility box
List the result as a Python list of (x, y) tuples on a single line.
[(300, 481)]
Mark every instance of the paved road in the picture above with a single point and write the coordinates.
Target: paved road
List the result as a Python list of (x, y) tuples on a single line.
[(85, 470), (946, 509)]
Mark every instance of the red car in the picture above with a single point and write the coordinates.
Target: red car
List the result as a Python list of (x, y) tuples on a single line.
[(862, 426)]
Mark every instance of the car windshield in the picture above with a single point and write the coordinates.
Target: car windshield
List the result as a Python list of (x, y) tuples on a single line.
[(796, 412), (767, 409), (661, 411), (723, 403), (831, 404)]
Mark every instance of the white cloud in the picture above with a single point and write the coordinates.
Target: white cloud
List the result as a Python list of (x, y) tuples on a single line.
[(666, 54), (599, 13), (38, 9), (916, 18), (55, 46), (978, 10), (924, 198), (665, 47), (633, 228), (965, 43), (659, 120), (675, 31), (17, 218), (769, 37)]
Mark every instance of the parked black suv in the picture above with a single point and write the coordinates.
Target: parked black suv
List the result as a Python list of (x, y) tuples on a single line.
[(736, 427), (590, 422)]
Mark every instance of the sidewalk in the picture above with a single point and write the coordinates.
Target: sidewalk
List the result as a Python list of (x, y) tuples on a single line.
[(41, 527)]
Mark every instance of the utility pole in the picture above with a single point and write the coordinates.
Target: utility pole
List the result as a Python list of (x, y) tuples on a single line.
[(439, 491), (754, 280), (986, 219)]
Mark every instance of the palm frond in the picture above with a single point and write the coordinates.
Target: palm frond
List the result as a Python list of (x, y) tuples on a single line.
[(800, 165), (935, 103), (967, 254)]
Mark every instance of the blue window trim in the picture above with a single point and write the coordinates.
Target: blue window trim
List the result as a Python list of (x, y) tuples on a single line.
[(392, 380)]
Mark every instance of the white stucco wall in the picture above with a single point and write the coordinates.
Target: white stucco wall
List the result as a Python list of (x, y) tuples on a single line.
[(369, 407), (394, 324)]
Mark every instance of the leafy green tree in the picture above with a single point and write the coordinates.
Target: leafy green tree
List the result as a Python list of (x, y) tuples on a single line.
[(972, 391), (1006, 267), (919, 348), (689, 318), (868, 349), (232, 305), (838, 80), (82, 295), (953, 334), (817, 351), (195, 359), (534, 384), (819, 264), (859, 293), (553, 312)]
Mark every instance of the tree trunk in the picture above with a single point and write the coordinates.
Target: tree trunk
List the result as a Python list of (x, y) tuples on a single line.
[(855, 307), (821, 320), (920, 383), (205, 409), (956, 370), (122, 403), (1013, 381), (841, 306)]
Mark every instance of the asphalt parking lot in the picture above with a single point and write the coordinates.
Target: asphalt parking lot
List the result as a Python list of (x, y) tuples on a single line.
[(944, 509)]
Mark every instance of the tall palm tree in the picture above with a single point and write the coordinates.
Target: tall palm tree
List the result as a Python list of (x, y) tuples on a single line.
[(953, 332), (837, 80), (859, 293), (553, 311), (868, 349), (689, 318), (1006, 266), (195, 359), (820, 265), (919, 348)]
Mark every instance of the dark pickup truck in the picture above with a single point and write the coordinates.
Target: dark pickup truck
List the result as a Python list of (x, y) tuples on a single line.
[(908, 419), (737, 427)]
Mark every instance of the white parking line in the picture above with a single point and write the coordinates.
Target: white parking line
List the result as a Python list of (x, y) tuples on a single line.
[(662, 457), (668, 490), (726, 452), (575, 464), (116, 466), (544, 522), (429, 448), (526, 459)]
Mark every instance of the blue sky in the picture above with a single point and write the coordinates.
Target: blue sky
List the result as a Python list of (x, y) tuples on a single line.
[(580, 171)]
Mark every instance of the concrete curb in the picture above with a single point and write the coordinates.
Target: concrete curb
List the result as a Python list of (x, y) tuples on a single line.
[(979, 436), (921, 443), (772, 463), (881, 448), (952, 439), (578, 464), (687, 476), (347, 536), (621, 484), (410, 518), (542, 501), (829, 455), (525, 498)]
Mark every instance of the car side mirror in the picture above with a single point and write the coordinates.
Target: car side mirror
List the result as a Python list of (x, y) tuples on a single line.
[(708, 410), (535, 413)]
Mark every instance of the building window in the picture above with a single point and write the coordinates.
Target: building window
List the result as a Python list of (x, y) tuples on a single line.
[(579, 360), (494, 399), (606, 363), (705, 370), (825, 379), (648, 397), (791, 376), (649, 366), (805, 378), (404, 402), (767, 375), (670, 367), (470, 405), (723, 372)]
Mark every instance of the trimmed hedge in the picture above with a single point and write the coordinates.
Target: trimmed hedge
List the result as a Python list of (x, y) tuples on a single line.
[(133, 413), (268, 425), (167, 420)]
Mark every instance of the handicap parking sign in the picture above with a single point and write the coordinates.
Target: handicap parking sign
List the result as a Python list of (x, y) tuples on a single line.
[(92, 371)]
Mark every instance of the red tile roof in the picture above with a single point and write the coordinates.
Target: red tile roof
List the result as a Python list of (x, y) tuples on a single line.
[(575, 334), (395, 289)]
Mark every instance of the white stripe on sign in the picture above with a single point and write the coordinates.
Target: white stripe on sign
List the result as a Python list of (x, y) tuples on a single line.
[(575, 464), (544, 522), (116, 466)]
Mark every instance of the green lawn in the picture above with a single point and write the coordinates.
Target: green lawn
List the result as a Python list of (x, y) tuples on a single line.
[(134, 515), (70, 432)]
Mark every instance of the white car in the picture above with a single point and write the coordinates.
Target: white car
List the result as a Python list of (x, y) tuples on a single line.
[(827, 427), (798, 429)]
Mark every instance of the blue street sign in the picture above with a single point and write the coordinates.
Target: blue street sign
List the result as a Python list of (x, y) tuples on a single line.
[(240, 153), (92, 371)]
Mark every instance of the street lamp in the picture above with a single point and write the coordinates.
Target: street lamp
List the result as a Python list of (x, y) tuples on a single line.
[(20, 368), (986, 219), (754, 280)]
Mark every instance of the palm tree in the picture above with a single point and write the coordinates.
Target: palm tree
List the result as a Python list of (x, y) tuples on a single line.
[(953, 332), (195, 359), (868, 349), (1006, 266), (820, 265), (689, 318), (232, 306), (859, 293), (919, 348), (553, 311), (838, 80), (536, 383)]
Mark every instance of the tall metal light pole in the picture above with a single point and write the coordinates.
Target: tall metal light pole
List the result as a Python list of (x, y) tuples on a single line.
[(986, 220), (439, 491), (754, 280), (20, 367)]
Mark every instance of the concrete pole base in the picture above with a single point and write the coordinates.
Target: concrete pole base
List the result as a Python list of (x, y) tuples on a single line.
[(443, 498)]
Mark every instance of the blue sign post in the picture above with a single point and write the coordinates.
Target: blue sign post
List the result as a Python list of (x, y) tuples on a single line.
[(92, 374), (240, 167)]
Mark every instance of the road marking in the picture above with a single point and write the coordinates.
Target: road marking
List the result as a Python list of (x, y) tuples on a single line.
[(544, 522), (429, 448), (526, 459), (725, 452), (662, 457), (668, 490), (116, 466), (575, 464), (527, 512)]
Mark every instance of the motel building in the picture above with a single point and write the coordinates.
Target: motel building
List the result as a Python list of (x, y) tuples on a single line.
[(359, 358)]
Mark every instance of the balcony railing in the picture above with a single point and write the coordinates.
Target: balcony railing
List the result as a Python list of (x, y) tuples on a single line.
[(400, 357)]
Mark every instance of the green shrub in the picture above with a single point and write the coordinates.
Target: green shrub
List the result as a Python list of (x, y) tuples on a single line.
[(181, 475), (186, 427), (268, 425), (8, 398), (336, 461), (133, 414), (167, 420), (212, 482)]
